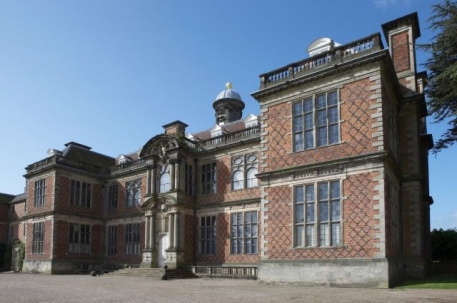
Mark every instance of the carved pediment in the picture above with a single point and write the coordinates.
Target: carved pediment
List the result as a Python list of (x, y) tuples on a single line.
[(158, 146)]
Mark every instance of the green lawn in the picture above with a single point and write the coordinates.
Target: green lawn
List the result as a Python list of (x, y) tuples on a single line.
[(435, 281)]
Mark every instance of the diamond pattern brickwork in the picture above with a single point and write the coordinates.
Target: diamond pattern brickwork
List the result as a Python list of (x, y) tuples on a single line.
[(358, 112), (359, 224)]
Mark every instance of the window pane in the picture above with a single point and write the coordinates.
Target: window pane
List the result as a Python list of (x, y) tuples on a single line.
[(323, 191), (323, 235), (309, 193), (321, 103), (333, 134), (298, 124), (299, 215), (308, 105), (309, 212), (238, 180), (310, 235), (321, 118), (298, 141), (299, 194), (335, 190), (299, 235), (336, 213), (336, 234), (254, 230), (309, 121), (333, 115), (332, 98), (323, 211), (309, 139), (298, 108), (322, 136)]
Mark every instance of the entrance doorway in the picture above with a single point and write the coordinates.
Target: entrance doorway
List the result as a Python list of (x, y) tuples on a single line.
[(163, 245)]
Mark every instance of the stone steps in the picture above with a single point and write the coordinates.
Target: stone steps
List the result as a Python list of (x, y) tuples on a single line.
[(140, 272), (158, 273)]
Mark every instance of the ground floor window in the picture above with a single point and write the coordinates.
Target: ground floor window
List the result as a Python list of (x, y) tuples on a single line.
[(317, 212), (38, 238), (79, 238), (132, 239), (208, 235), (244, 233), (112, 240)]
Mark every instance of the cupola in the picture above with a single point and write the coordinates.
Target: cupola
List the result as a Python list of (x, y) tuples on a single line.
[(228, 106)]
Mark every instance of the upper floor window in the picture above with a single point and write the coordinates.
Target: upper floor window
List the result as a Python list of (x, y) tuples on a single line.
[(243, 236), (165, 184), (112, 196), (317, 209), (316, 121), (38, 238), (80, 193), (79, 238), (209, 184), (133, 196), (40, 192), (244, 169)]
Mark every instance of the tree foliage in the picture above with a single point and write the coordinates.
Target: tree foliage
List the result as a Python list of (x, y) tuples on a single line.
[(441, 89), (444, 245)]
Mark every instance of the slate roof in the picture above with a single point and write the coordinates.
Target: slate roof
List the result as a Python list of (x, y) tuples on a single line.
[(5, 198), (231, 127), (19, 198), (82, 153)]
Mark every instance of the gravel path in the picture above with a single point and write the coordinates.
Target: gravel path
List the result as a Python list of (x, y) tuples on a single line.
[(109, 288)]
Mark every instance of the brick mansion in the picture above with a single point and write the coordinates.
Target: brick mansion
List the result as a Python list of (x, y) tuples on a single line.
[(327, 185)]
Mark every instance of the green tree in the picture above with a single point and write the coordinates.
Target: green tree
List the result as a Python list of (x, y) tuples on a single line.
[(441, 89), (444, 245)]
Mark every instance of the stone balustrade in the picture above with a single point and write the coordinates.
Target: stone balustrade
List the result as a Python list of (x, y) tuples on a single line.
[(338, 55)]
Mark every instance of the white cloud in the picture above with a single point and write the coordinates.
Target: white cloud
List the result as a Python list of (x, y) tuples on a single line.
[(390, 3)]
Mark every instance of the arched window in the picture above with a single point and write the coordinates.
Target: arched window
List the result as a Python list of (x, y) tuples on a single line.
[(165, 182), (251, 178), (237, 180)]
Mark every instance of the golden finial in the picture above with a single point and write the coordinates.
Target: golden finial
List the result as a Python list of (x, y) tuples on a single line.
[(228, 85)]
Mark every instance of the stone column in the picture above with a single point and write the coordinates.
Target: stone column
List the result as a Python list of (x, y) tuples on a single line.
[(153, 180), (172, 175), (152, 235), (149, 187), (177, 175), (147, 240), (176, 231), (171, 231)]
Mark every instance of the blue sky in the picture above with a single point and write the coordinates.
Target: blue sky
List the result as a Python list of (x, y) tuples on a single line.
[(109, 73)]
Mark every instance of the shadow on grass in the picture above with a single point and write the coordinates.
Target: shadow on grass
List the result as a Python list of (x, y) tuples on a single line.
[(432, 282)]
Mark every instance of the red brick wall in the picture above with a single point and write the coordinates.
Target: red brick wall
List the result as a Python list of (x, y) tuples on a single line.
[(400, 51), (3, 233), (190, 223), (4, 212), (18, 212), (357, 223), (356, 130), (16, 231)]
